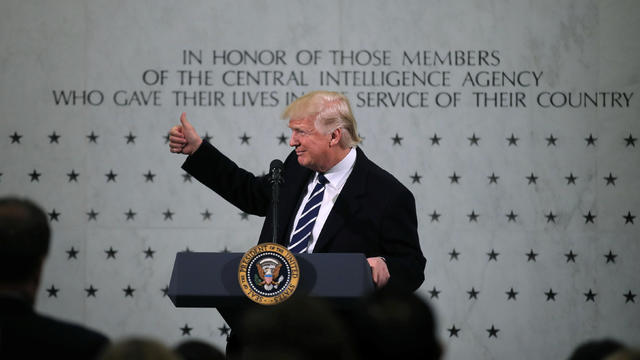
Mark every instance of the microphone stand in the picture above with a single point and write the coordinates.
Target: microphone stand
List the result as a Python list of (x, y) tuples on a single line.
[(276, 180)]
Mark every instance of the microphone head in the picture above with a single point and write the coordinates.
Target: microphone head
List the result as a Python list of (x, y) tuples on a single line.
[(275, 165), (275, 172)]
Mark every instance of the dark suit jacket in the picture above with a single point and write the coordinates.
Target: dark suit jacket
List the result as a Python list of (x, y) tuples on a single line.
[(374, 214), (25, 334)]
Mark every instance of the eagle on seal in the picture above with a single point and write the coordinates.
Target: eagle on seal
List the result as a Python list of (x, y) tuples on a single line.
[(268, 274)]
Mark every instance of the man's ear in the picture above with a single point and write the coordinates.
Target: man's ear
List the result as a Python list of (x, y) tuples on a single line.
[(335, 137)]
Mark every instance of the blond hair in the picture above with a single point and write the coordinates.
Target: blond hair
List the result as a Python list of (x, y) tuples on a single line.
[(330, 111)]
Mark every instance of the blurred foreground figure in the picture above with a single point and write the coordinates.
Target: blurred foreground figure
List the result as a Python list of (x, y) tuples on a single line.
[(25, 334)]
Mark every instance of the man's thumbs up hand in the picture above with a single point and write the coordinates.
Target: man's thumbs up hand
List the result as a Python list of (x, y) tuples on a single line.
[(183, 138)]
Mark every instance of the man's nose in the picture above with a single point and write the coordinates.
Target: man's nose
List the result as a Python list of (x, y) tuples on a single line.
[(294, 140)]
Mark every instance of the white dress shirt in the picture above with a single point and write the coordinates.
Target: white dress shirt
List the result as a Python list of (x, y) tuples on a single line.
[(337, 177)]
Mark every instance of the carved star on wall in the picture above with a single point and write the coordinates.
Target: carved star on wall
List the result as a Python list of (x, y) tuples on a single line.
[(589, 217), (511, 294), (630, 140), (513, 140), (186, 330), (282, 139), (473, 293), (52, 291), (224, 330), (130, 215), (629, 297), (165, 291), (72, 253), (532, 179), (551, 217), (244, 216), (434, 293), (206, 215), (571, 179), (473, 216), (473, 140), (415, 178), (111, 253), (131, 139), (493, 179), (244, 139), (435, 139), (92, 215), (111, 176), (54, 215), (148, 253), (91, 291), (148, 177), (611, 180), (590, 296), (628, 218), (493, 255), (168, 215), (53, 138), (73, 176), (453, 331), (186, 178), (455, 179), (571, 256), (93, 138), (551, 295), (35, 176), (435, 216), (511, 216), (531, 256), (207, 137), (551, 140), (15, 138), (128, 291), (453, 255), (591, 140), (611, 257), (397, 140), (493, 332)]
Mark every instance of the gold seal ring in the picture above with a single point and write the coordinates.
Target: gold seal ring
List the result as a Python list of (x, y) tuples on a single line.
[(268, 273)]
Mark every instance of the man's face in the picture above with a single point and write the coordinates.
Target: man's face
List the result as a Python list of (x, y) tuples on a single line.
[(312, 146)]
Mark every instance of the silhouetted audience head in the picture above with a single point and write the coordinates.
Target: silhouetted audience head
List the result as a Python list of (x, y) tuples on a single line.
[(198, 350), (138, 348), (24, 244), (24, 333), (299, 328), (395, 325), (596, 349)]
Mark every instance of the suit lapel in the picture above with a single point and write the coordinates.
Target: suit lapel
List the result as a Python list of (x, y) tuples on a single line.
[(296, 179), (347, 203)]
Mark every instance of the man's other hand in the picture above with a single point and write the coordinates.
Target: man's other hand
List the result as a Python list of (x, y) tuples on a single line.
[(379, 271)]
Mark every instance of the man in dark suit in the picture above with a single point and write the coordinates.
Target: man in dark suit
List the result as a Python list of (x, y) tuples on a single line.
[(25, 334), (361, 207)]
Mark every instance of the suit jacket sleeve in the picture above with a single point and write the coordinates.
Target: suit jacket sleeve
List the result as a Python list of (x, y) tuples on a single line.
[(400, 244), (250, 193)]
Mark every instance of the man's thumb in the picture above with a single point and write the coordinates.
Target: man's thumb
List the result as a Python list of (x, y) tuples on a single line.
[(185, 123)]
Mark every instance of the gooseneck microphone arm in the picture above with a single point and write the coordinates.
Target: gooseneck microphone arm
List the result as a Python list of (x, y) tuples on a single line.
[(275, 178)]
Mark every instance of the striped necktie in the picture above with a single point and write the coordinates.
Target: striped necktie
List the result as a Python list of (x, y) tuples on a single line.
[(302, 233)]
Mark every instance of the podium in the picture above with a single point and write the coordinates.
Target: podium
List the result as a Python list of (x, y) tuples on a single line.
[(210, 280)]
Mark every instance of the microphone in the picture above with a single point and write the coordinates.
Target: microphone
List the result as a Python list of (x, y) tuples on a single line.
[(275, 172), (275, 178)]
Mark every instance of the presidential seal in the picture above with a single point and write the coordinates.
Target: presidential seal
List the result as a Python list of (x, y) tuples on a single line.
[(268, 273)]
